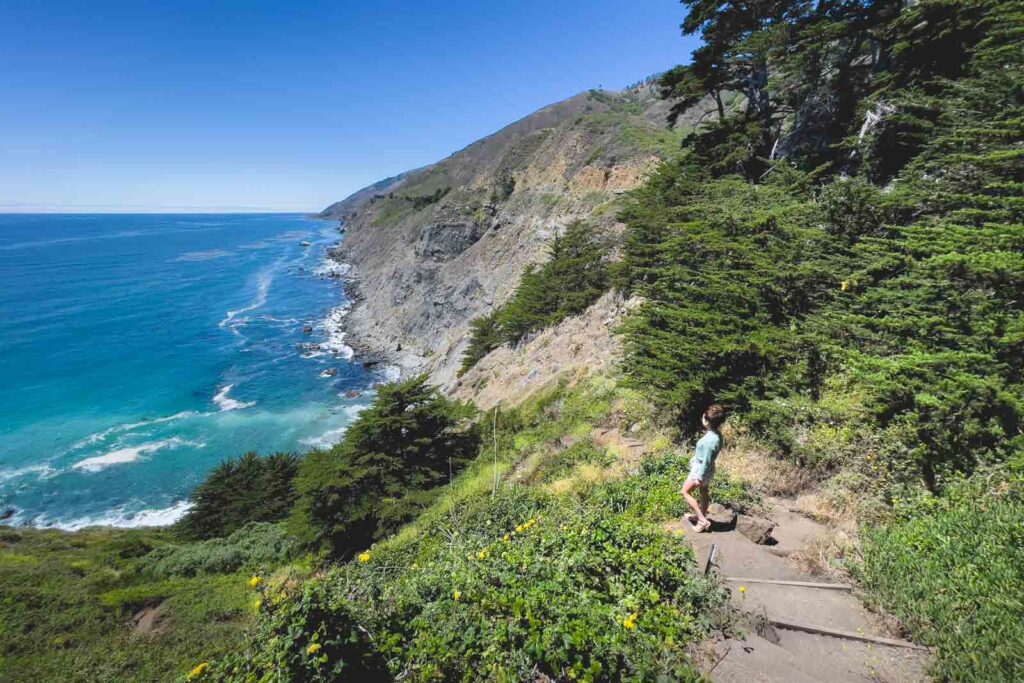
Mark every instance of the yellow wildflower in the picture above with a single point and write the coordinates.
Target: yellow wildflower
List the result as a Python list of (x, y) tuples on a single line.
[(313, 649), (364, 557), (506, 538), (198, 671), (255, 581), (519, 529), (630, 622), (457, 595), (845, 285), (743, 589), (481, 555)]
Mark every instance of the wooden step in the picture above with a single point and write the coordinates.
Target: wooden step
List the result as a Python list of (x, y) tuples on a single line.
[(849, 635), (784, 582)]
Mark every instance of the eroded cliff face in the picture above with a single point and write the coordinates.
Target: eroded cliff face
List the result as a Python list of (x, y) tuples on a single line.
[(432, 249)]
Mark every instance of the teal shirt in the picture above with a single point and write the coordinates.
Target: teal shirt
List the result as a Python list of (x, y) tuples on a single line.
[(703, 461)]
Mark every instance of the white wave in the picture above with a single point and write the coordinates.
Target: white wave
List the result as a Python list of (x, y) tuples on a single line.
[(331, 325), (390, 373), (332, 268), (204, 255), (127, 427), (333, 436), (42, 470), (226, 403), (119, 517), (263, 282), (123, 456)]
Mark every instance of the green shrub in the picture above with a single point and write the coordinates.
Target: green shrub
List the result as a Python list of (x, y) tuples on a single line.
[(305, 638), (852, 207), (387, 467), (528, 586), (951, 568), (239, 491), (574, 276), (255, 545)]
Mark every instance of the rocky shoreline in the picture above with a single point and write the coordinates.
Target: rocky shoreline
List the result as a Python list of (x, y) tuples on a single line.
[(363, 349)]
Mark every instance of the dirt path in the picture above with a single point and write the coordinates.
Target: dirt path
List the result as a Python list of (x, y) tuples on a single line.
[(775, 653)]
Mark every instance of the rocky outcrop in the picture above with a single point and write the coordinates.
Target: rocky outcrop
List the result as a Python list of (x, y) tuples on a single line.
[(434, 248)]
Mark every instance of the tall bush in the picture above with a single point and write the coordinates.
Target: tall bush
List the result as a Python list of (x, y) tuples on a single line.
[(390, 461)]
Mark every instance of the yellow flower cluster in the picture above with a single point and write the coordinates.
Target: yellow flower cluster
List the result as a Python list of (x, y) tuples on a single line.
[(743, 589), (198, 671), (526, 525), (457, 595), (255, 581), (630, 622), (313, 649), (364, 557), (482, 555)]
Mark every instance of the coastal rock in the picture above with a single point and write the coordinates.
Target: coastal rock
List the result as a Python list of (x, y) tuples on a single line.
[(329, 372), (722, 516), (757, 529), (353, 393), (444, 241), (308, 329), (7, 514)]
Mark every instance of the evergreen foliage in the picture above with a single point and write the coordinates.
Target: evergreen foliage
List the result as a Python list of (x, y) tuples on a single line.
[(574, 276), (899, 309), (241, 490), (390, 464)]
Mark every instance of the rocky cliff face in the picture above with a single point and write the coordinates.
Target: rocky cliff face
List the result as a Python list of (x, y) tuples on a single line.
[(434, 248)]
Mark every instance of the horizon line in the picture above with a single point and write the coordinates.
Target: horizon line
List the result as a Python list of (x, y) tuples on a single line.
[(112, 209)]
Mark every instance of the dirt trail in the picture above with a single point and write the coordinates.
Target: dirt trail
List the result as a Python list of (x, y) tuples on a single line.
[(774, 653)]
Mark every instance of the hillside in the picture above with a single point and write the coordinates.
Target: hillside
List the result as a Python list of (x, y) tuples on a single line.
[(439, 246), (836, 256)]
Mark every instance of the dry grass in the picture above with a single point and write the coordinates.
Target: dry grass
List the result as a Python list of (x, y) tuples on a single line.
[(754, 465)]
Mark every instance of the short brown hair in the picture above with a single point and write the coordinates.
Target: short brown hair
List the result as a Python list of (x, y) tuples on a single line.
[(715, 415)]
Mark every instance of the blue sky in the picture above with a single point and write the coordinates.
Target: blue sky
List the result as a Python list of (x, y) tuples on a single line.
[(287, 105)]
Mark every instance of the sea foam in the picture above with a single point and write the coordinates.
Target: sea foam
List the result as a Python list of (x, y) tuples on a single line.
[(120, 517), (226, 403), (123, 456)]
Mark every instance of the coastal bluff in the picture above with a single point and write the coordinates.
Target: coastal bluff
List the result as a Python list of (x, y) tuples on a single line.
[(431, 249)]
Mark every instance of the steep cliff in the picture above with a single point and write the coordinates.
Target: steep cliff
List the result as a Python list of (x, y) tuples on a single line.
[(436, 247)]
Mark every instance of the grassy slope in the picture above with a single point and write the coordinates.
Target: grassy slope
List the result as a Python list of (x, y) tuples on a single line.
[(68, 598), (563, 570)]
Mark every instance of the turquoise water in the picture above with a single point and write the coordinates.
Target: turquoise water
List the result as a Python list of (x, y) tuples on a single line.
[(138, 351)]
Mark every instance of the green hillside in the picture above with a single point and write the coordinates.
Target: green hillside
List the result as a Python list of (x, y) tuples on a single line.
[(837, 256)]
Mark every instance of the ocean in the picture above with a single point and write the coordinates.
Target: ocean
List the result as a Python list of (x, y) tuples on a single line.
[(139, 351)]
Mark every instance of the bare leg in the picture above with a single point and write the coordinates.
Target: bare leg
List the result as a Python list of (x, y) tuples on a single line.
[(688, 487), (705, 500)]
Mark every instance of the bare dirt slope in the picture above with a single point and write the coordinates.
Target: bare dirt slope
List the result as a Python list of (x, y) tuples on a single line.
[(574, 348)]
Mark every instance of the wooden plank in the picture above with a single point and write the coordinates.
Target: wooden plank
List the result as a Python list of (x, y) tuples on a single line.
[(848, 635), (711, 559), (804, 584)]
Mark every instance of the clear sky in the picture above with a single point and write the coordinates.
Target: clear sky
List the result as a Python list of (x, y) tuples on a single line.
[(287, 105)]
